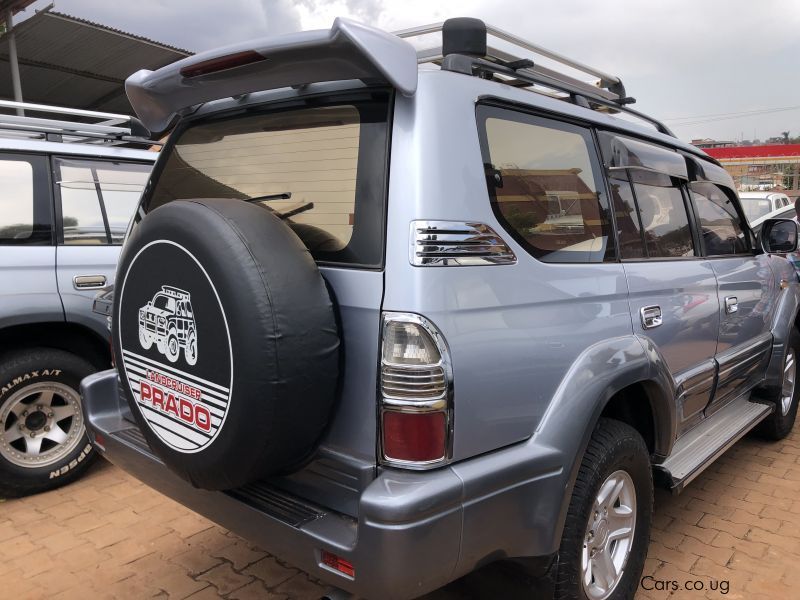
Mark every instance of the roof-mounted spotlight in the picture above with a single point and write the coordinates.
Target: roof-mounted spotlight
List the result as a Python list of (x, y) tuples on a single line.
[(464, 35)]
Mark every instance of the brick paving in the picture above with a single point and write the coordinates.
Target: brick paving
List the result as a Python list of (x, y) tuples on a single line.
[(735, 528)]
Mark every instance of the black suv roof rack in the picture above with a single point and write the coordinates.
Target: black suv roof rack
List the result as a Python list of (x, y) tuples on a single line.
[(71, 125), (465, 50)]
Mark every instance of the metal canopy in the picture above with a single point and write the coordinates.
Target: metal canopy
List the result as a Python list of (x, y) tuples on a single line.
[(71, 62), (14, 5)]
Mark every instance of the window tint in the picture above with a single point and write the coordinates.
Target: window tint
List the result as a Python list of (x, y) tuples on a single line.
[(719, 223), (542, 179), (663, 215), (98, 199), (22, 219), (629, 232), (320, 169)]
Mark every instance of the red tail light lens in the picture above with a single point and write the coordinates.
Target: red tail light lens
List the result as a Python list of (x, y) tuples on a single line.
[(414, 437), (338, 563), (221, 63)]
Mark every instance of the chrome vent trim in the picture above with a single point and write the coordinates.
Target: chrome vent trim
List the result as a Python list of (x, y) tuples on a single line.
[(457, 244)]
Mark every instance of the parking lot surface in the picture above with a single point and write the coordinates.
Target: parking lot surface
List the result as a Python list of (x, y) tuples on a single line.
[(733, 533)]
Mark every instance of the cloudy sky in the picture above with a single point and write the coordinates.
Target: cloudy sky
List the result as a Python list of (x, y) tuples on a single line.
[(709, 68)]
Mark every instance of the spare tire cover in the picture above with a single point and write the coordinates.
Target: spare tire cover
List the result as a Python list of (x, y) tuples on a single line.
[(226, 341)]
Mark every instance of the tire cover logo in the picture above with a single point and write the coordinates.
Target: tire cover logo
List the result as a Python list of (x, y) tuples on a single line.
[(168, 307)]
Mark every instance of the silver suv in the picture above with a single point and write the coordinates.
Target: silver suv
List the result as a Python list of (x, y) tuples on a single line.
[(446, 315), (67, 191)]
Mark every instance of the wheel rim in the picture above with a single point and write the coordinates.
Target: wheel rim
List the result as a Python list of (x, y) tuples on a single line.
[(787, 389), (191, 350), (40, 424), (609, 534), (172, 346)]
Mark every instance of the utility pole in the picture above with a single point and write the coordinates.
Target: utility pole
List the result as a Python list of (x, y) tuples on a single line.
[(12, 59)]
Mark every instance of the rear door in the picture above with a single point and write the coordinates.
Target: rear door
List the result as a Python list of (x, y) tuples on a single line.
[(95, 200), (27, 255), (673, 290), (746, 290), (321, 167)]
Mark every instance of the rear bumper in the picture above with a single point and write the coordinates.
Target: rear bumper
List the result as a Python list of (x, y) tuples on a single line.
[(415, 531)]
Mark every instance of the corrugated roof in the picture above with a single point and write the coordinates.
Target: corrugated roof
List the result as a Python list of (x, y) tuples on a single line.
[(15, 6), (67, 61)]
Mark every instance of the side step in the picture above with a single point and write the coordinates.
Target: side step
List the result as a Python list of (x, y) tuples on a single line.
[(701, 446)]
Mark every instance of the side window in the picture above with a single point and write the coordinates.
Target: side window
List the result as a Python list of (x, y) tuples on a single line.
[(629, 231), (663, 215), (649, 198), (98, 199), (719, 223), (543, 184), (25, 206)]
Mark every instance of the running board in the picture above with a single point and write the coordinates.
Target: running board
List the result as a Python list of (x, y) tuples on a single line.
[(701, 446)]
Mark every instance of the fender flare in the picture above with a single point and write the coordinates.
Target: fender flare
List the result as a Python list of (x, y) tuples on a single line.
[(600, 372), (786, 313)]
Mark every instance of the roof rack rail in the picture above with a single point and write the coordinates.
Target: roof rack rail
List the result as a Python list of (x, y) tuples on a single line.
[(72, 125), (465, 49)]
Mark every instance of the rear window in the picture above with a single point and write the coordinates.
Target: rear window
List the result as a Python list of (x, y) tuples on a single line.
[(320, 169)]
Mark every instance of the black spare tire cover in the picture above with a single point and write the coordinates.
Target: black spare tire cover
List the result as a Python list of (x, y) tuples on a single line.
[(226, 341)]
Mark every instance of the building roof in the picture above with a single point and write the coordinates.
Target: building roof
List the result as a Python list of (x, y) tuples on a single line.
[(15, 6), (67, 61), (755, 152)]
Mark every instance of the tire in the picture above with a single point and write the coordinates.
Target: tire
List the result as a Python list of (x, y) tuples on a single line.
[(172, 349), (616, 454), (245, 406), (190, 350), (49, 379), (145, 340), (785, 398)]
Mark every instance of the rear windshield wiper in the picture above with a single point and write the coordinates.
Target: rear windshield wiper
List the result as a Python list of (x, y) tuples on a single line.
[(296, 211), (281, 196)]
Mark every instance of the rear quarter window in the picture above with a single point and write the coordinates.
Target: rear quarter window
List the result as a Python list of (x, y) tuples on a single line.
[(544, 186)]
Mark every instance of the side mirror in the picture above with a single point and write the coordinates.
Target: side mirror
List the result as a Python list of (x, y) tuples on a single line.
[(779, 235)]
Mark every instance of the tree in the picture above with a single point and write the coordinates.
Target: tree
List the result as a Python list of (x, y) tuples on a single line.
[(785, 135)]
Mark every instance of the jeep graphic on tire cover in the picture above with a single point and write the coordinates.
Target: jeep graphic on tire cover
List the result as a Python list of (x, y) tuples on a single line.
[(236, 278), (168, 320), (185, 411)]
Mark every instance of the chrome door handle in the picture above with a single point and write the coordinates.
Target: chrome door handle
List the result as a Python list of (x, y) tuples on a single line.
[(731, 305), (651, 316), (88, 282)]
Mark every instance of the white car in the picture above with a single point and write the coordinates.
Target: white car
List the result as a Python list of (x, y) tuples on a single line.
[(785, 212), (758, 204)]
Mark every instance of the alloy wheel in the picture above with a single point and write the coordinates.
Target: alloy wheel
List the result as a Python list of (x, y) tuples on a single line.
[(609, 536), (40, 424)]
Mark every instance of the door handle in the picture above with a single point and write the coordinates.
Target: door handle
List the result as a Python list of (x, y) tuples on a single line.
[(731, 305), (88, 282), (651, 316)]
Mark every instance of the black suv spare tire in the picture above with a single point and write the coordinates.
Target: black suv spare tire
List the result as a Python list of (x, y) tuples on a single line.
[(226, 341)]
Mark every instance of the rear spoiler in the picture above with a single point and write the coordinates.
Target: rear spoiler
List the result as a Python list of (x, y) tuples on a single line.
[(349, 50)]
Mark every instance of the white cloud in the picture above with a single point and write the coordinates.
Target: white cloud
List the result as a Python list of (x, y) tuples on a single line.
[(677, 57)]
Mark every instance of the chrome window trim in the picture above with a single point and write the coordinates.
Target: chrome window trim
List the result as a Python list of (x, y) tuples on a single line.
[(457, 244)]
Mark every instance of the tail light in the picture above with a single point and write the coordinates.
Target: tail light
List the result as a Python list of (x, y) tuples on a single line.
[(415, 393), (222, 63)]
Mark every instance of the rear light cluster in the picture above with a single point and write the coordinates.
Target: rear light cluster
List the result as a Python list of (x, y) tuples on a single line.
[(415, 393)]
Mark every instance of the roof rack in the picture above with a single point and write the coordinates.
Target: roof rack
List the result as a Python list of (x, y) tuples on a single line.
[(465, 49), (72, 125)]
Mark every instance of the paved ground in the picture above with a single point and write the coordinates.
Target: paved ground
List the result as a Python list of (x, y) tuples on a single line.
[(737, 528)]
